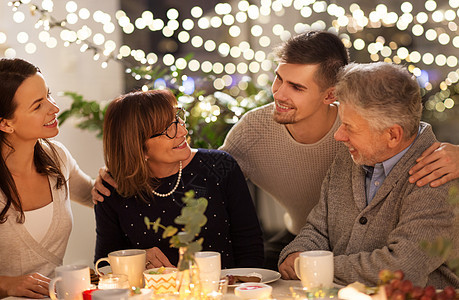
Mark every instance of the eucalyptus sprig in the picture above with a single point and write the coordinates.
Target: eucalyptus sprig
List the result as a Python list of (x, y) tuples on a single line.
[(192, 218)]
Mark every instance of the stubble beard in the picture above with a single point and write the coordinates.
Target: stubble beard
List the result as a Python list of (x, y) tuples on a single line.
[(367, 161), (283, 118)]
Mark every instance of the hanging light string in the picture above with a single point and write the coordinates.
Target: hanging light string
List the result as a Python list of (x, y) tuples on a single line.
[(349, 22), (47, 22)]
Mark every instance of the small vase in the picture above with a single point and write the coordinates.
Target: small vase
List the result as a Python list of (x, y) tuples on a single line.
[(188, 285)]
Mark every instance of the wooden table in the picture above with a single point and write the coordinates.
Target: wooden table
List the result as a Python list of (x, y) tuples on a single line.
[(281, 290)]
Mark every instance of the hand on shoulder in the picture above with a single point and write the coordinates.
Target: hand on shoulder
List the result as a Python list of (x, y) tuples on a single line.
[(437, 165), (99, 190)]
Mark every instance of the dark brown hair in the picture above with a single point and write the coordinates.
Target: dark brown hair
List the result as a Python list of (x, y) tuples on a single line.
[(316, 47), (129, 122), (13, 72)]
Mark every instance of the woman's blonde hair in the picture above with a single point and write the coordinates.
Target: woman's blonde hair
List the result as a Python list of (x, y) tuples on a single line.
[(129, 122)]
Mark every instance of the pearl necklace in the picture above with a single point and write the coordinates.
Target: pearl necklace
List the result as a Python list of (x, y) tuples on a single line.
[(175, 187)]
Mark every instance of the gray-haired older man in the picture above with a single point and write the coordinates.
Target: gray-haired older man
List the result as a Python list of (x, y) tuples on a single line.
[(369, 214)]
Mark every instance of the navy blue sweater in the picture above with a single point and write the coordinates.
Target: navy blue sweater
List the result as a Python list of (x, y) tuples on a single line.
[(232, 225)]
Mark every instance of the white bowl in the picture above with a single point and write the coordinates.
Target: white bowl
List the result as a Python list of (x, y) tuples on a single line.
[(253, 290)]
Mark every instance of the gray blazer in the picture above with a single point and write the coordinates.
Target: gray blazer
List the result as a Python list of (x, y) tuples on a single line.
[(387, 232)]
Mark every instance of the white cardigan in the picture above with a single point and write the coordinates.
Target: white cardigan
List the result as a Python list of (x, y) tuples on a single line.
[(20, 253)]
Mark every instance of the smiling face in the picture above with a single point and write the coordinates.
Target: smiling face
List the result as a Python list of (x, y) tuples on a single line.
[(366, 146), (163, 151), (296, 94), (36, 111)]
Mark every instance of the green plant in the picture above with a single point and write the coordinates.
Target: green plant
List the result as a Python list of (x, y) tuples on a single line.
[(442, 247), (192, 219), (90, 113), (211, 114)]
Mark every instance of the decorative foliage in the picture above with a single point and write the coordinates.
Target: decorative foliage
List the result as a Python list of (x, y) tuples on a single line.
[(442, 247), (91, 113), (192, 219), (210, 115)]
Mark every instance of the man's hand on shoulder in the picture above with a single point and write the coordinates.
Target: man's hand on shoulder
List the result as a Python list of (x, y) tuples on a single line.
[(437, 165), (99, 190), (287, 267)]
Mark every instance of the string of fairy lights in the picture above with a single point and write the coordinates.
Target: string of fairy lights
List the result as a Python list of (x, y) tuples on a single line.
[(435, 23)]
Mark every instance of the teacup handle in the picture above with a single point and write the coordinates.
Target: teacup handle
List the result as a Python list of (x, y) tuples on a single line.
[(52, 288), (97, 264), (296, 266)]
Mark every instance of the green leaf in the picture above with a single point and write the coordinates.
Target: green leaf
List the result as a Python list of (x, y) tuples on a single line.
[(169, 231), (192, 217), (174, 241), (440, 247), (185, 237), (156, 224), (194, 247), (147, 222), (63, 116), (453, 264)]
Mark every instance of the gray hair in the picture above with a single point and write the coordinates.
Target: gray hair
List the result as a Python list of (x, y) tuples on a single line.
[(384, 94)]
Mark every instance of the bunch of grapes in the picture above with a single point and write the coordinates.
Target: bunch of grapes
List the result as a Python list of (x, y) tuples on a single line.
[(399, 289)]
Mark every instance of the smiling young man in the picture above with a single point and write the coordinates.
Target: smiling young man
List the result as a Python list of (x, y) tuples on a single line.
[(369, 214), (286, 147)]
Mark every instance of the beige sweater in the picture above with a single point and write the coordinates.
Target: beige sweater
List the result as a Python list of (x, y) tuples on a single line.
[(290, 171), (20, 253)]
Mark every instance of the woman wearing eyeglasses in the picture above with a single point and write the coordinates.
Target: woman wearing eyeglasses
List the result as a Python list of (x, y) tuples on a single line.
[(146, 151)]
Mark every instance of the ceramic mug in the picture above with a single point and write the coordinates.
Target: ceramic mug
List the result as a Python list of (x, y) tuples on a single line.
[(209, 264), (315, 269), (70, 282), (130, 262)]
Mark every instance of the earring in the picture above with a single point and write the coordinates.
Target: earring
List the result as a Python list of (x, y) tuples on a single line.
[(146, 158), (11, 130)]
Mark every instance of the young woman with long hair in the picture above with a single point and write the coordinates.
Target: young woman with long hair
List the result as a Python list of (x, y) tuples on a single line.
[(38, 177)]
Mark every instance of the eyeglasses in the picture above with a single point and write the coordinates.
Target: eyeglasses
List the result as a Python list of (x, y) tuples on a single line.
[(171, 130)]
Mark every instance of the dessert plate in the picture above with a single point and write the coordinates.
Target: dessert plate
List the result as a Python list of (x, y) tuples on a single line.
[(267, 276)]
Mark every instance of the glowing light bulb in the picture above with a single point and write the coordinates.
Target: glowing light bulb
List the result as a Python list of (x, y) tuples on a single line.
[(2, 38), (18, 17), (196, 12), (22, 37), (172, 14), (71, 6)]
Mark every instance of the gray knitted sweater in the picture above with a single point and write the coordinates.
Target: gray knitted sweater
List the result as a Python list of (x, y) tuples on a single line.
[(289, 171), (387, 232)]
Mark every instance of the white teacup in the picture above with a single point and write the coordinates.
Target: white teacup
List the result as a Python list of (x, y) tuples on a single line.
[(315, 269), (70, 282), (110, 294), (130, 262), (209, 264)]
